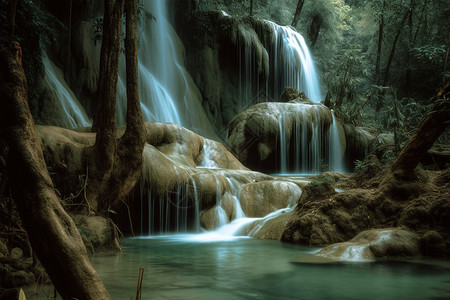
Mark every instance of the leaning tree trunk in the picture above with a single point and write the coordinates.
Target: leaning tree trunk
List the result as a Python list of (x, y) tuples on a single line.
[(52, 233), (428, 131), (297, 13)]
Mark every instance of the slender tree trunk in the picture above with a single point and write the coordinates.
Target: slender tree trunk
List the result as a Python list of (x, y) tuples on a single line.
[(425, 3), (53, 235), (251, 8), (12, 7), (101, 157), (314, 29), (394, 45), (297, 13), (380, 45), (410, 46)]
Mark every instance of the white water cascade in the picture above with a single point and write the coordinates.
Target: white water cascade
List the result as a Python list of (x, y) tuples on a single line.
[(63, 110), (306, 142), (336, 161), (292, 63), (167, 91)]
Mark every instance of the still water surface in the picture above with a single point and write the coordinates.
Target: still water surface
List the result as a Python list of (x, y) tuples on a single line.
[(190, 267)]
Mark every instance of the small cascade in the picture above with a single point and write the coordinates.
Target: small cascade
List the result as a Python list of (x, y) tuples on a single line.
[(301, 146), (175, 211), (207, 161), (292, 64), (336, 153), (64, 110), (236, 191), (220, 214), (310, 140), (167, 91)]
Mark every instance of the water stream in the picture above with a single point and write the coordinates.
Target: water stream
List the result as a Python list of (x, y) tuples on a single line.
[(182, 267), (64, 109), (167, 91)]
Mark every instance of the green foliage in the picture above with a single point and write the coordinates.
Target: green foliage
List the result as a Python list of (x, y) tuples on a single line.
[(430, 54), (321, 183), (35, 29), (144, 16)]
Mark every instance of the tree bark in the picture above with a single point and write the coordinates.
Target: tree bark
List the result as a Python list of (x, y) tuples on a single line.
[(380, 44), (115, 165), (12, 7), (314, 29), (428, 131), (131, 144), (251, 8), (101, 156), (394, 45), (53, 235), (297, 12)]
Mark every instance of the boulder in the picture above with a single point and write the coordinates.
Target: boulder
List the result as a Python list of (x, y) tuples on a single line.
[(370, 244), (16, 253), (259, 199), (287, 137), (99, 234)]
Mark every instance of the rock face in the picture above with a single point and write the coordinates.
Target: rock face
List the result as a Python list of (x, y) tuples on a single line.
[(369, 244), (324, 216), (99, 234), (295, 136), (262, 198), (187, 182)]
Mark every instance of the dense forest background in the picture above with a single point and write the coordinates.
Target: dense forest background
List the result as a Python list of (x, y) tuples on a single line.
[(381, 62)]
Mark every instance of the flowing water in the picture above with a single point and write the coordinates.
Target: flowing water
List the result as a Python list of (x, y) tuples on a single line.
[(167, 91), (185, 267), (64, 110), (292, 63)]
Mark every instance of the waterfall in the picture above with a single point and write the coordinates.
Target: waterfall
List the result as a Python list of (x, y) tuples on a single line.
[(336, 152), (292, 63), (207, 161), (307, 143), (167, 91), (63, 108)]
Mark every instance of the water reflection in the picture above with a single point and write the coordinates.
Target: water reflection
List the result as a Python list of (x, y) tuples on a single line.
[(176, 268)]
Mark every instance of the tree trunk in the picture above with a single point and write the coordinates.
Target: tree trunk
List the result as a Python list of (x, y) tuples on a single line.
[(380, 44), (131, 144), (394, 45), (314, 29), (251, 8), (101, 157), (12, 7), (410, 46), (117, 164), (53, 235), (428, 131), (297, 13)]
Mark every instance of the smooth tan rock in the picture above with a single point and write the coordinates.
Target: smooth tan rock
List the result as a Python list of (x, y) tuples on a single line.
[(261, 198), (369, 244)]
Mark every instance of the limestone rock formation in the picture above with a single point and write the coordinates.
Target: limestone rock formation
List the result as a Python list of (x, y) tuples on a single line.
[(369, 244), (293, 136), (187, 182)]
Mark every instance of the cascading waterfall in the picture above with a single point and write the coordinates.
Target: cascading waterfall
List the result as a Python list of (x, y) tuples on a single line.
[(306, 143), (167, 91), (336, 153), (292, 63), (65, 110)]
